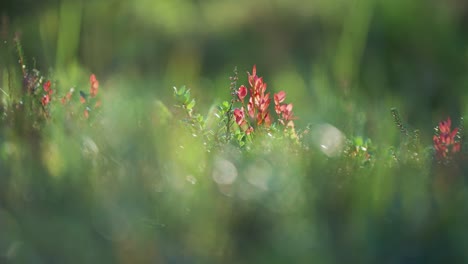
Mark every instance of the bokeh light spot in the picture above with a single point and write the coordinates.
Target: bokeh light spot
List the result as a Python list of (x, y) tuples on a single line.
[(329, 139), (224, 172)]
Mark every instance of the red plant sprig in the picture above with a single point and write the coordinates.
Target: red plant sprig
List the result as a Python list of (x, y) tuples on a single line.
[(93, 90), (47, 97), (284, 111), (65, 99), (258, 101), (94, 85), (239, 115), (86, 99), (446, 143), (258, 106)]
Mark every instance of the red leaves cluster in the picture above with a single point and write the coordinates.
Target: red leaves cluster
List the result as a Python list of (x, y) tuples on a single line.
[(94, 85), (46, 98), (68, 96), (258, 105), (239, 115), (445, 142), (85, 98), (93, 90), (259, 101), (284, 111)]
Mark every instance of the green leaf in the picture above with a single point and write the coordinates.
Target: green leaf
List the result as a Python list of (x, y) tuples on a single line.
[(225, 105), (199, 118), (191, 104), (181, 90), (186, 98), (358, 141)]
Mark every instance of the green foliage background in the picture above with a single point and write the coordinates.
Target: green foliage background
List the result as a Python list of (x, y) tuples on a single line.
[(133, 187)]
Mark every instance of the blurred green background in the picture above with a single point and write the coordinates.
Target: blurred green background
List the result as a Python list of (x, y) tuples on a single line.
[(124, 191), (362, 49)]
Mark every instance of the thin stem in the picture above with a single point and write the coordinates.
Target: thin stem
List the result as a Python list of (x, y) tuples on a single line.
[(232, 88), (397, 120)]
